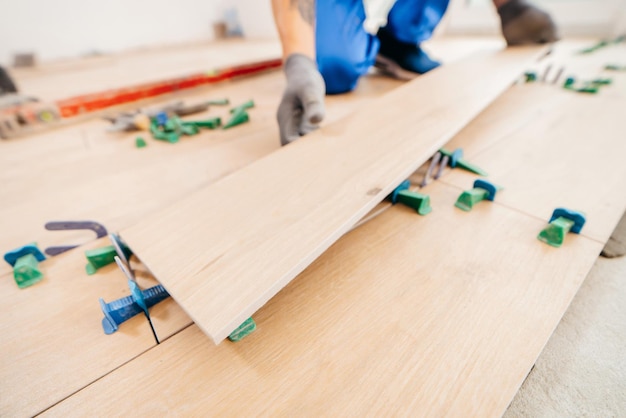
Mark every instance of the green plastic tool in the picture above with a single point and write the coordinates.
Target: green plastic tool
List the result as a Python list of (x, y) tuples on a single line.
[(530, 76), (418, 201), (569, 83), (591, 89), (554, 233), (455, 159), (243, 330), (219, 102), (140, 142), (247, 105), (100, 257), (595, 47), (602, 81), (239, 117), (25, 262), (26, 271), (615, 67), (206, 123), (483, 190), (561, 223), (161, 135)]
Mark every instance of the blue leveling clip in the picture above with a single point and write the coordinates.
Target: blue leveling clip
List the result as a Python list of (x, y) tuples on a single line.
[(483, 190), (121, 310), (161, 118), (418, 201), (561, 223), (577, 217), (25, 261)]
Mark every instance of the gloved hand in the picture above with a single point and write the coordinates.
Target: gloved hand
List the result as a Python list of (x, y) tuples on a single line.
[(302, 106), (523, 23)]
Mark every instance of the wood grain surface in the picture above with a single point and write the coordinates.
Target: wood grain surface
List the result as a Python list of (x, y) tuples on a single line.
[(226, 250), (52, 338), (441, 315)]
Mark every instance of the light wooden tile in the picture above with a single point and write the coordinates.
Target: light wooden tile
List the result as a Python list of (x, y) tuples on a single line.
[(570, 156), (440, 315), (52, 338), (231, 246)]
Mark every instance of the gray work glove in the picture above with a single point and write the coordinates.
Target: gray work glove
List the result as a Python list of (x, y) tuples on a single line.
[(302, 106), (523, 23)]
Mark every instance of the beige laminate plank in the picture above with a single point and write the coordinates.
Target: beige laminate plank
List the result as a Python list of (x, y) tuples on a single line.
[(68, 78), (567, 157), (231, 246), (82, 172), (526, 104), (52, 342), (75, 172), (441, 315), (52, 339)]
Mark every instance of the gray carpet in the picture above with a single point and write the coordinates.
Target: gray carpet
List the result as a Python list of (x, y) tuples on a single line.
[(582, 370)]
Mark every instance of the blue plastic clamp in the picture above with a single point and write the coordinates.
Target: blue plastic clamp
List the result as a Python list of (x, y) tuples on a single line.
[(578, 218), (12, 256)]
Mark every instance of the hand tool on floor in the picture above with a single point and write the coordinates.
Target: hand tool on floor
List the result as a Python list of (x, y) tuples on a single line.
[(121, 310), (401, 194), (418, 201), (614, 67), (454, 159), (99, 229), (602, 44), (25, 262), (140, 119), (562, 221), (531, 76), (483, 190), (135, 290), (19, 113), (100, 257), (243, 330), (437, 163), (590, 86), (239, 114)]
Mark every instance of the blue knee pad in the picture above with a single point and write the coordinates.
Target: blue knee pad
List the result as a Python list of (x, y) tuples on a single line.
[(413, 21), (344, 50)]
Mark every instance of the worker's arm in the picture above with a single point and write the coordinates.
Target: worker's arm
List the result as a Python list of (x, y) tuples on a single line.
[(302, 105), (524, 23)]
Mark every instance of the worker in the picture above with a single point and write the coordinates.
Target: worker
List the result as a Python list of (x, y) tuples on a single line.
[(6, 84), (328, 44)]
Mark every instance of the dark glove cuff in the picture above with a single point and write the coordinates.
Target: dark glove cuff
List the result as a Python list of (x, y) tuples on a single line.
[(511, 9)]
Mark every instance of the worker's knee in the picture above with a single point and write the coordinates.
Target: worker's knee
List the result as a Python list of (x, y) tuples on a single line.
[(340, 74), (344, 50)]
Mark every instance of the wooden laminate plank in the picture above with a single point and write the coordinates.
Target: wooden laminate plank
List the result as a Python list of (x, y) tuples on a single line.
[(441, 315), (567, 157), (41, 174), (526, 103), (52, 340), (82, 172), (225, 251), (68, 78), (44, 325)]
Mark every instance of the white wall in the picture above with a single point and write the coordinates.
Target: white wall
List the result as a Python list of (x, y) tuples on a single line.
[(65, 28)]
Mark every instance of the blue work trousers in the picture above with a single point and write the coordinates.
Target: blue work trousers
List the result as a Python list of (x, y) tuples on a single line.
[(345, 51)]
